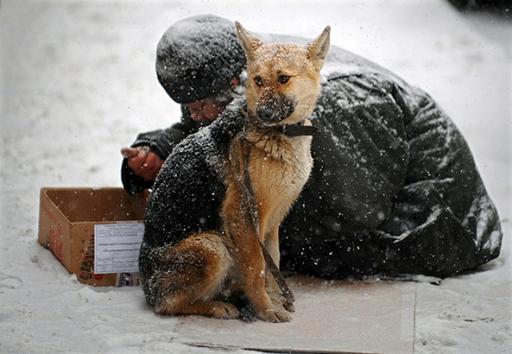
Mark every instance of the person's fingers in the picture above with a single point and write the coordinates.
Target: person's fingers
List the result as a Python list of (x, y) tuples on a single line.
[(143, 162), (129, 152), (150, 173), (151, 160), (152, 166), (136, 163)]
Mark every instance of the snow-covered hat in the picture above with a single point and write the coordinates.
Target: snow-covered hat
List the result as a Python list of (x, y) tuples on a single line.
[(198, 57)]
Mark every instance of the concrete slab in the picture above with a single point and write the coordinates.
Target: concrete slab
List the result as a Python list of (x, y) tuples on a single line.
[(330, 317)]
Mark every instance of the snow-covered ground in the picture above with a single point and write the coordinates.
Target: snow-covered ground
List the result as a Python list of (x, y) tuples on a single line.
[(77, 83)]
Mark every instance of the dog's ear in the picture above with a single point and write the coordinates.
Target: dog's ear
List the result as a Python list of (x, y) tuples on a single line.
[(249, 42), (318, 49)]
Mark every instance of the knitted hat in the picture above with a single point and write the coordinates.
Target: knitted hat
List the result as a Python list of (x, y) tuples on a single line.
[(198, 57)]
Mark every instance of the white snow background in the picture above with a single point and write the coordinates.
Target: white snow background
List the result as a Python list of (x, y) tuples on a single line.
[(78, 83)]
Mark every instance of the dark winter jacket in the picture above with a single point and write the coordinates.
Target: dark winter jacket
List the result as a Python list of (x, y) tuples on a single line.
[(394, 187)]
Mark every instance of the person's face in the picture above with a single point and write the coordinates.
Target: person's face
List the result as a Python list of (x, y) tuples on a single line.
[(205, 110)]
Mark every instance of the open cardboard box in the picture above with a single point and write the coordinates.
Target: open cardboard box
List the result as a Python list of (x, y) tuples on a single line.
[(67, 219)]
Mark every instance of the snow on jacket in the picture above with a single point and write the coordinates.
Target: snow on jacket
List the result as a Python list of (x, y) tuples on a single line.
[(394, 187)]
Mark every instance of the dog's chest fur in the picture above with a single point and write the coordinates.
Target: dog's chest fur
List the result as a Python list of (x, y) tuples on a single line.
[(279, 166)]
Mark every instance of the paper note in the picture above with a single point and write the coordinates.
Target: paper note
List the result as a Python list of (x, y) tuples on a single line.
[(116, 247)]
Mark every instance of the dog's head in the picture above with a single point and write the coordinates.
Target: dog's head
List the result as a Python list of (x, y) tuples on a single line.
[(283, 80)]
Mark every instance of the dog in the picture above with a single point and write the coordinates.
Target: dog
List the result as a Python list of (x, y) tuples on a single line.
[(268, 163)]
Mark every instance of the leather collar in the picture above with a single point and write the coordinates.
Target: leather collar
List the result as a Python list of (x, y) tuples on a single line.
[(298, 129)]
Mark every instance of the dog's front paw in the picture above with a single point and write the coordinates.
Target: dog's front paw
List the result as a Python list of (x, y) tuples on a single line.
[(289, 306), (224, 310), (274, 315), (278, 300)]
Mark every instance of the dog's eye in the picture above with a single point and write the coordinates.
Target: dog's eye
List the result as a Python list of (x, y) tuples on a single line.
[(283, 79), (258, 81)]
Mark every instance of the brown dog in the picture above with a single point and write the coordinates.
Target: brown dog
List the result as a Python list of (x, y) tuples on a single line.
[(268, 164)]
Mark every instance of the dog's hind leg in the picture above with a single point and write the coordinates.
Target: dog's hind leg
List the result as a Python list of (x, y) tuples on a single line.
[(191, 275)]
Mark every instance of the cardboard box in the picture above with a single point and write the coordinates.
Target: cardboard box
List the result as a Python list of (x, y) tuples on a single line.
[(67, 219)]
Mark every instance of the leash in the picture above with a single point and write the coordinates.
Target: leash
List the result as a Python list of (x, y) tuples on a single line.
[(249, 204)]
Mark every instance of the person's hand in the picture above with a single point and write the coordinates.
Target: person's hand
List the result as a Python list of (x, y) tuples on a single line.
[(143, 162)]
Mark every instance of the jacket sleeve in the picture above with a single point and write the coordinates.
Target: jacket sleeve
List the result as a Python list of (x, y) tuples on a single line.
[(161, 142)]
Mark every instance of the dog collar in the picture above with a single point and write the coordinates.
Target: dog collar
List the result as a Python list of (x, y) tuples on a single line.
[(298, 129)]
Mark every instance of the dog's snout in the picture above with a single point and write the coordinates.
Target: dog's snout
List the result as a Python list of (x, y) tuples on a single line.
[(265, 114), (274, 109)]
